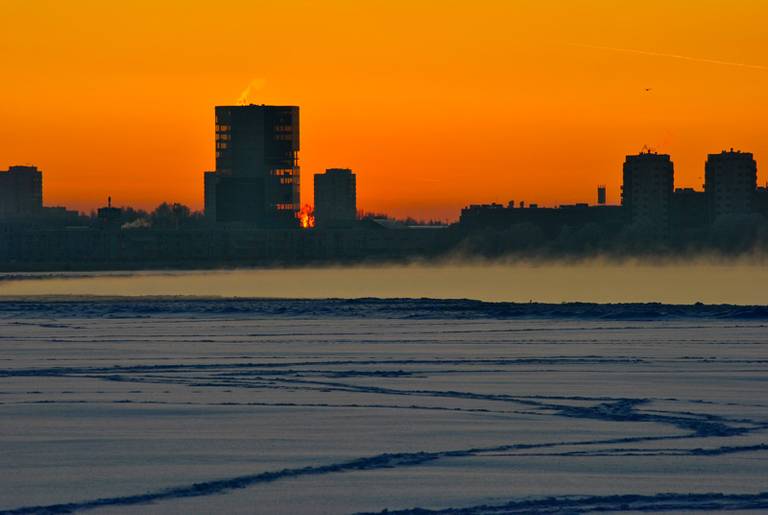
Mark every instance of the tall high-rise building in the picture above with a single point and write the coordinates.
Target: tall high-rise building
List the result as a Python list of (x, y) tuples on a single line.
[(646, 194), (21, 191), (257, 172), (335, 198), (730, 183)]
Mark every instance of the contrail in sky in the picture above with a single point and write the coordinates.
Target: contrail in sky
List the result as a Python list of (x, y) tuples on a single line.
[(671, 56)]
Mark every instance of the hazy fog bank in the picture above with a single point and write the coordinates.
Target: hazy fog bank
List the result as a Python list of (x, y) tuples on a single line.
[(676, 282)]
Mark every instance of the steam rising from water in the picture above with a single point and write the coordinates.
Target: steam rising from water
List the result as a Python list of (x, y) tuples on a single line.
[(734, 283)]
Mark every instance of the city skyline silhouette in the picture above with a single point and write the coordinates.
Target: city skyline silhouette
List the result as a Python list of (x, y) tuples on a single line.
[(383, 256), (290, 201), (117, 100)]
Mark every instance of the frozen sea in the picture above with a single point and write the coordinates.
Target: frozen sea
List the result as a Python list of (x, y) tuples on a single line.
[(189, 405)]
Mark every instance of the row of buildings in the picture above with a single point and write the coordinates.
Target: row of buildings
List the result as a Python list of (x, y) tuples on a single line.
[(257, 178), (650, 203), (256, 182), (21, 199), (650, 199), (256, 186)]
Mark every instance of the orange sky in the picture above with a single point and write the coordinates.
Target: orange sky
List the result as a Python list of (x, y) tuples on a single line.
[(434, 104)]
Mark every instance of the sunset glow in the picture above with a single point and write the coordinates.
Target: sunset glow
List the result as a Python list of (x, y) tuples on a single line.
[(434, 105), (306, 217)]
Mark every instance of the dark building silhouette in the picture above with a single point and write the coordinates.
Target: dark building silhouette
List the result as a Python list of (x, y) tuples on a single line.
[(21, 192), (730, 183), (60, 216), (689, 211), (335, 198), (550, 221), (646, 193), (257, 173), (601, 197), (210, 181), (760, 205), (108, 216)]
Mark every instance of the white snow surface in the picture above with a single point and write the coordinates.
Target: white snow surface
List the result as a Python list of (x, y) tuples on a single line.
[(180, 410)]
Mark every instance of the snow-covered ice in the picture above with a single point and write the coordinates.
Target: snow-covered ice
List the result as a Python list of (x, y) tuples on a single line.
[(279, 406)]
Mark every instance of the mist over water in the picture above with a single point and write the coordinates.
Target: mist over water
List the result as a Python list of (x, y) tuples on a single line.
[(597, 281)]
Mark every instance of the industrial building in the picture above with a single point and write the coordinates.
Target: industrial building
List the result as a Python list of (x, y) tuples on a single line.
[(646, 194), (730, 184), (335, 198), (256, 180), (21, 192)]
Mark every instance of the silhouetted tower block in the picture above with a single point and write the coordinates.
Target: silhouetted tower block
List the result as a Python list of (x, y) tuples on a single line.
[(335, 198), (21, 191), (601, 195), (257, 172), (646, 194), (730, 184)]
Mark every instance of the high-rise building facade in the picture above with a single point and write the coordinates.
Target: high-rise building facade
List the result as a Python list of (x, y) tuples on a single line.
[(257, 175), (335, 198), (21, 191), (730, 183), (646, 194)]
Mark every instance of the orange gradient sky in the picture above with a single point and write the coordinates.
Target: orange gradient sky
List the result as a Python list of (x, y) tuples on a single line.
[(434, 104)]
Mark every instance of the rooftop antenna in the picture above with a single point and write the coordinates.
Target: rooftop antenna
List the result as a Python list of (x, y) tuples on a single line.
[(646, 150), (109, 201)]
